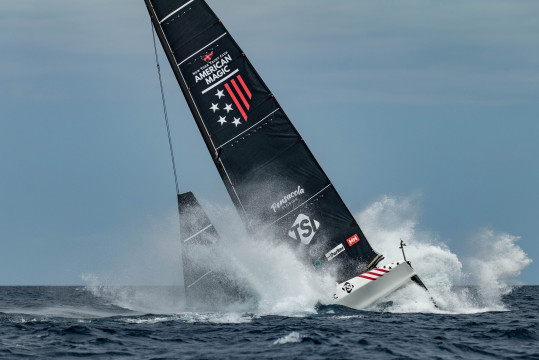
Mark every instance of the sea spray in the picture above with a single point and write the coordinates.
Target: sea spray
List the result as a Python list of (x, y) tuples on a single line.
[(147, 277), (390, 219), (285, 286), (497, 262), (137, 299), (280, 282)]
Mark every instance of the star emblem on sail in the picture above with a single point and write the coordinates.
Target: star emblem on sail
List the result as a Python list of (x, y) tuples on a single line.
[(234, 89), (222, 118)]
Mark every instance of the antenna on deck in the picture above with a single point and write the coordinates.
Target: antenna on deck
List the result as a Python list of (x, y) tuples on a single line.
[(402, 248)]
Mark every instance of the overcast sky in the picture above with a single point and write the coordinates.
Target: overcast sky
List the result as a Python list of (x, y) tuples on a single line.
[(436, 100)]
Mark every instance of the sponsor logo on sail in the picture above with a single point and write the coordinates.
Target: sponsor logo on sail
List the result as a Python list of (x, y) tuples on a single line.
[(348, 287), (214, 69), (240, 94), (207, 56), (334, 252), (288, 199), (235, 103), (352, 240), (304, 229)]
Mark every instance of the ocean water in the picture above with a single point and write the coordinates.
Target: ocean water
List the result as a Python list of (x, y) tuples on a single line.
[(288, 317), (70, 322)]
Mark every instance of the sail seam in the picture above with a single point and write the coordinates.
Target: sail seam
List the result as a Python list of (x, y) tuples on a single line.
[(220, 81), (175, 11), (198, 233), (199, 50), (200, 278), (244, 131), (303, 203)]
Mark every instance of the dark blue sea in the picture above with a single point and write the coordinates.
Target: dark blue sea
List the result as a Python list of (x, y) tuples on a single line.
[(73, 322)]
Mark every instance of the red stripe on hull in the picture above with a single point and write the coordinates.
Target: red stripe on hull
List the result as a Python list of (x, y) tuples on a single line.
[(373, 273), (366, 277), (382, 270)]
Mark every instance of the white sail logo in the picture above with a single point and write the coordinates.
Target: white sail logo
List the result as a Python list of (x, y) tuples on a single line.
[(214, 69), (334, 252), (287, 199), (304, 229)]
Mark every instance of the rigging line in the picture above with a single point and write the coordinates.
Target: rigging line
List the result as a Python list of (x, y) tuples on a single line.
[(165, 111)]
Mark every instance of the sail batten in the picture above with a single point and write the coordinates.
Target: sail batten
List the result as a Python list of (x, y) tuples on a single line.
[(198, 233), (175, 11), (200, 278), (272, 177)]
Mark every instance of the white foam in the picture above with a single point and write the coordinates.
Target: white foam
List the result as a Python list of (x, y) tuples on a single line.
[(293, 337), (217, 318), (153, 320), (346, 317), (61, 311), (194, 317)]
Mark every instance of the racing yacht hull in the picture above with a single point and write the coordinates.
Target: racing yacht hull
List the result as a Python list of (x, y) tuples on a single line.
[(367, 288)]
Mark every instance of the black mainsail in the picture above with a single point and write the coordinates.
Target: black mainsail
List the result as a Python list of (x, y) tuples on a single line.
[(275, 182)]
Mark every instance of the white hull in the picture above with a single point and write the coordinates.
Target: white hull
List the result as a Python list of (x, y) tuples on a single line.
[(365, 289)]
